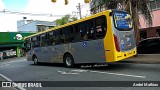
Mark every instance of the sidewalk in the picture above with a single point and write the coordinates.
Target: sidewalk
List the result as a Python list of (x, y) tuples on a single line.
[(145, 58), (11, 59)]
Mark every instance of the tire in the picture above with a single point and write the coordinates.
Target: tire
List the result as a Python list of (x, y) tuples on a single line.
[(35, 59), (68, 61)]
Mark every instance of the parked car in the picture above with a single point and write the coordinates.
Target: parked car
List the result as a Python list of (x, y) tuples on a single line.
[(8, 53), (149, 46)]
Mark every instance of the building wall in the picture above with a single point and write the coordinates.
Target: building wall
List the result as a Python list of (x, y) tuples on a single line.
[(12, 42), (11, 37), (151, 30), (33, 26)]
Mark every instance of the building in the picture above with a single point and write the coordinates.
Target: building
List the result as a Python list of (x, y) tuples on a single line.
[(33, 26), (154, 30), (11, 43)]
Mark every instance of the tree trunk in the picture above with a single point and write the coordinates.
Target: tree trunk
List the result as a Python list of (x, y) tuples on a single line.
[(136, 26)]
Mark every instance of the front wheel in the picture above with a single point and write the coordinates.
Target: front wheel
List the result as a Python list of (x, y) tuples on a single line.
[(35, 60), (68, 61)]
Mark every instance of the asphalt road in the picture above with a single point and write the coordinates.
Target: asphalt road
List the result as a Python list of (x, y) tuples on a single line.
[(18, 69)]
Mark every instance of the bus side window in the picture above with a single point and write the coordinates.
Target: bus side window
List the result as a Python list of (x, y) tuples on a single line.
[(35, 41), (91, 30), (52, 38), (47, 39), (66, 33), (57, 36), (100, 27), (83, 31), (75, 34), (43, 40), (27, 44)]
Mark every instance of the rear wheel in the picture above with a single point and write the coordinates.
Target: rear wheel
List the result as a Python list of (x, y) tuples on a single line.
[(68, 61), (35, 59)]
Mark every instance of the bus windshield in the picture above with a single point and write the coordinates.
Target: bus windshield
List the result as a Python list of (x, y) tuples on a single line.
[(122, 21)]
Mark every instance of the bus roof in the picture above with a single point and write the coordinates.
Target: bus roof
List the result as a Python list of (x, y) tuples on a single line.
[(70, 23)]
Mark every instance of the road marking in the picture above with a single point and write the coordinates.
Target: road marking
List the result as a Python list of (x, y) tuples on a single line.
[(8, 79), (119, 74), (75, 72), (67, 73), (79, 70)]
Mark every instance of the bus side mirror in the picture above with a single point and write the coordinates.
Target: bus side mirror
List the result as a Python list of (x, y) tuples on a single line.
[(110, 14)]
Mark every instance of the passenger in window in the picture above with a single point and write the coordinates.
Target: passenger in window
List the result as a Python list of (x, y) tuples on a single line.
[(91, 36), (75, 35), (42, 43), (85, 37), (99, 32)]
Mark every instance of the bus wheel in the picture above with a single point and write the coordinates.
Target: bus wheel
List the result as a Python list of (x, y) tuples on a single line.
[(35, 60), (68, 61)]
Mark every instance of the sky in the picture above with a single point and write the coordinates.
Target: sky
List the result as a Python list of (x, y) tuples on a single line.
[(53, 11)]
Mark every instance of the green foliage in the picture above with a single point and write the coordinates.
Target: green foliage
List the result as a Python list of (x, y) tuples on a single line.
[(65, 19)]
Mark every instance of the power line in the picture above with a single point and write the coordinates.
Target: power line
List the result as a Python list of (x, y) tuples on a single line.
[(27, 13)]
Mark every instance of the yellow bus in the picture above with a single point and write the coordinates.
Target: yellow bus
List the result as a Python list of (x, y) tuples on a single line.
[(105, 37)]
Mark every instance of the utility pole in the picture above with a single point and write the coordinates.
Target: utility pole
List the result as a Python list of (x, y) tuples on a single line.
[(79, 10)]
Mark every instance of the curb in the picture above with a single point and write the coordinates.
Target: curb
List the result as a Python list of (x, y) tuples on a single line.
[(145, 58)]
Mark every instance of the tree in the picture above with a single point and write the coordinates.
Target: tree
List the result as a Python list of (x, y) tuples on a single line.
[(135, 7), (65, 19)]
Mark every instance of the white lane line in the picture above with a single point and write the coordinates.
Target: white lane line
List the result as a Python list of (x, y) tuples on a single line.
[(79, 70), (67, 73), (8, 79), (127, 75)]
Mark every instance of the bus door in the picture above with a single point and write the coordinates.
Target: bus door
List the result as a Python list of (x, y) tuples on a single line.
[(44, 48), (55, 49), (123, 33), (92, 33)]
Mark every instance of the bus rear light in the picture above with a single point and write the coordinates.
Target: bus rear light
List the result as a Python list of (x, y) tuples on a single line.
[(116, 43)]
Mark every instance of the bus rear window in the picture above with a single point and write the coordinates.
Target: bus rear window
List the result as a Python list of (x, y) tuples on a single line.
[(122, 21)]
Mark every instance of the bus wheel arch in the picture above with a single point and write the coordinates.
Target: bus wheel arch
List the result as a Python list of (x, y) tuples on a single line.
[(35, 59), (68, 60)]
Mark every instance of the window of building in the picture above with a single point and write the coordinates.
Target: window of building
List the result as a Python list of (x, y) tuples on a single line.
[(155, 4), (143, 35), (158, 32)]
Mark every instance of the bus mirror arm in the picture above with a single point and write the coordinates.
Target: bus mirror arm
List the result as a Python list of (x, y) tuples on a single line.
[(111, 13)]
